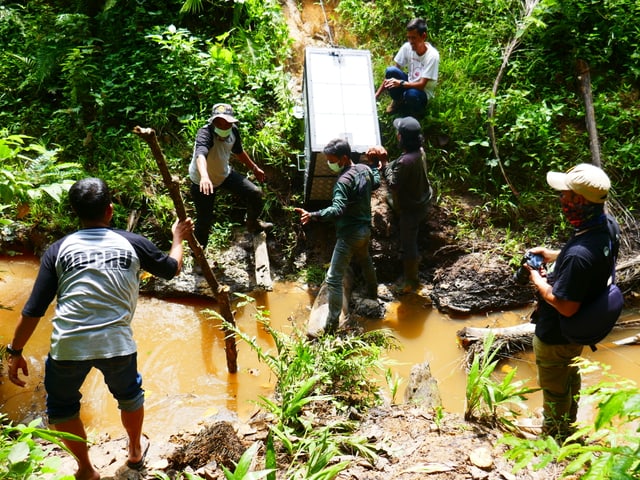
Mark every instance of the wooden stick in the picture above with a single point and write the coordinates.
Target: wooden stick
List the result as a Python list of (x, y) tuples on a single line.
[(529, 7), (221, 291)]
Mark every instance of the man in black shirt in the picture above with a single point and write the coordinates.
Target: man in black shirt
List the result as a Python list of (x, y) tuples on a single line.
[(581, 272)]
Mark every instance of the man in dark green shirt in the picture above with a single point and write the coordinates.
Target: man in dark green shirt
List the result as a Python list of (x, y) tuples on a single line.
[(351, 210)]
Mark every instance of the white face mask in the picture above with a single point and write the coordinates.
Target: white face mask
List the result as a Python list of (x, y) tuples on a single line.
[(334, 167), (222, 133)]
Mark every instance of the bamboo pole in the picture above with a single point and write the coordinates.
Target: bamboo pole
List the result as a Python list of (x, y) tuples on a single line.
[(221, 291)]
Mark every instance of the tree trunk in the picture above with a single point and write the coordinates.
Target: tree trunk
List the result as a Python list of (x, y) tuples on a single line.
[(584, 76), (511, 340)]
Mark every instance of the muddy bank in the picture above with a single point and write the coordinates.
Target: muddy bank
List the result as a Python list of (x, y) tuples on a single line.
[(411, 442)]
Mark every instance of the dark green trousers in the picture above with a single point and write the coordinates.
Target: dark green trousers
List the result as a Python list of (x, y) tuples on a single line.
[(560, 383)]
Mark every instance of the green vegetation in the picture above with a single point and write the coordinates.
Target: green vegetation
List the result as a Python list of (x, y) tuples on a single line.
[(314, 274), (78, 76), (607, 448), (487, 400), (242, 470), (178, 476), (539, 111), (330, 376), (22, 456)]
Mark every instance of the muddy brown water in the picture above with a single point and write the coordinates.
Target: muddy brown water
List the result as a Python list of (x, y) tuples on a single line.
[(183, 364)]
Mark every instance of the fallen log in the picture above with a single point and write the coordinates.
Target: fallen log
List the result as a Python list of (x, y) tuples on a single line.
[(628, 274), (633, 340), (507, 341), (221, 292), (518, 338), (470, 335)]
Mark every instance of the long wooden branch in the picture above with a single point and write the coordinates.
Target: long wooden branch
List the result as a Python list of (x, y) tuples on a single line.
[(528, 7), (221, 291)]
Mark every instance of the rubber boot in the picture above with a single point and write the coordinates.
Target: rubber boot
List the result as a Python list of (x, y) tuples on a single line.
[(410, 281)]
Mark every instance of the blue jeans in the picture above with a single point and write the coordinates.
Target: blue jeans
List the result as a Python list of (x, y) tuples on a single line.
[(356, 246), (235, 183), (413, 100), (63, 379)]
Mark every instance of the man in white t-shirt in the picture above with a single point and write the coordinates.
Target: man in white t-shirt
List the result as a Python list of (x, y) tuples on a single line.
[(411, 90)]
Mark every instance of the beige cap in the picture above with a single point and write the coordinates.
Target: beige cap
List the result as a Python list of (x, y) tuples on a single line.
[(584, 179)]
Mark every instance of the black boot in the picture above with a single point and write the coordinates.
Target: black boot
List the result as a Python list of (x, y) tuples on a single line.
[(256, 226)]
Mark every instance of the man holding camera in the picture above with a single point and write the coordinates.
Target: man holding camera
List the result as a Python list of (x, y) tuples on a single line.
[(581, 272)]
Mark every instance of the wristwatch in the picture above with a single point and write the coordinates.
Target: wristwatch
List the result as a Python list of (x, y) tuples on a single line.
[(402, 82), (13, 352)]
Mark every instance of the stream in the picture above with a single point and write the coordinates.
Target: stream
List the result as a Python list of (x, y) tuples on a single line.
[(182, 359)]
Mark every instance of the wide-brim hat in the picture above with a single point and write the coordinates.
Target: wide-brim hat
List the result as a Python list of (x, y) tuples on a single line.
[(584, 179), (222, 110)]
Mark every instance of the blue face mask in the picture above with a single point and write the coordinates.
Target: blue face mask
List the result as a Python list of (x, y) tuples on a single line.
[(222, 133), (334, 167)]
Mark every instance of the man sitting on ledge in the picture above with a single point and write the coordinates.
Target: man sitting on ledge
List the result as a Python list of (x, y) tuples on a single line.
[(411, 91)]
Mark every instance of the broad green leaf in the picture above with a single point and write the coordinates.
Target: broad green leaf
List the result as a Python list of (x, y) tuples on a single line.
[(19, 452)]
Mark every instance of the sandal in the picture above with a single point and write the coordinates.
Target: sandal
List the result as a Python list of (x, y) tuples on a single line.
[(145, 443)]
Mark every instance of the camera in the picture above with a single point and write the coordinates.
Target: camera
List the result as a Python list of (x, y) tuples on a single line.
[(534, 260)]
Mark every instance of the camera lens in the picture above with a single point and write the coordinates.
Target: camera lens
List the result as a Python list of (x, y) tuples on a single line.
[(521, 276)]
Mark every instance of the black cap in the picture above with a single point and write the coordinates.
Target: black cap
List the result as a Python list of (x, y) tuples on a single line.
[(223, 110), (407, 126)]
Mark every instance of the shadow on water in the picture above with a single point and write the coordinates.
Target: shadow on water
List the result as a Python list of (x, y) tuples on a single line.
[(183, 363)]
